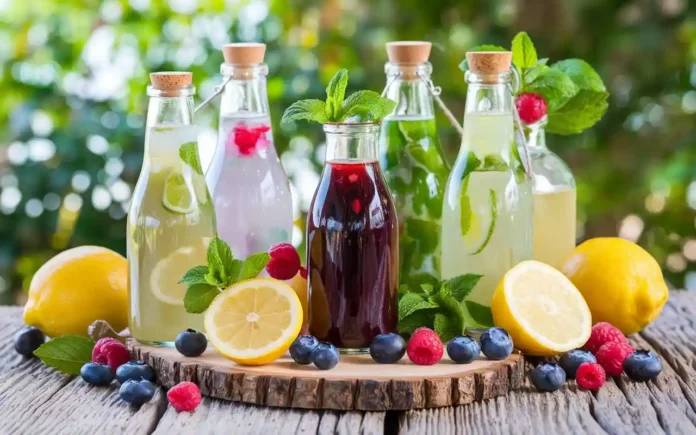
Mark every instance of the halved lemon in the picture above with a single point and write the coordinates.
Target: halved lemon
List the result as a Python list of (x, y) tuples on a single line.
[(165, 276), (254, 321), (541, 309)]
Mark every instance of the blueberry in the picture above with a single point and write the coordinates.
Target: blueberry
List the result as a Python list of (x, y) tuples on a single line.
[(191, 343), (463, 349), (387, 348), (325, 356), (570, 361), (135, 370), (301, 349), (496, 344), (642, 365), (548, 377), (136, 392), (97, 374), (27, 340)]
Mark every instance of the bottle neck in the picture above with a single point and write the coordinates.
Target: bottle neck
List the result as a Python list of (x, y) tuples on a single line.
[(351, 142), (489, 94), (246, 91), (170, 107), (536, 135), (407, 84)]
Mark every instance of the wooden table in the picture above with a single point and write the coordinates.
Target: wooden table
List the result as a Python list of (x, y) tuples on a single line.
[(35, 399)]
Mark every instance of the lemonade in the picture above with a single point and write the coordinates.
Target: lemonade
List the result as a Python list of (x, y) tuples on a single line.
[(554, 222)]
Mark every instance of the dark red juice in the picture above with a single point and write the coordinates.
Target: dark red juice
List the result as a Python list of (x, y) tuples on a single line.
[(352, 252)]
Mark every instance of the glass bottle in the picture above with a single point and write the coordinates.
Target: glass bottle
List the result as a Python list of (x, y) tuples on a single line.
[(250, 189), (352, 243), (488, 211), (171, 218), (553, 187), (411, 158)]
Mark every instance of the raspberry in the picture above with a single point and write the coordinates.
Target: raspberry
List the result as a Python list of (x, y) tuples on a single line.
[(184, 396), (602, 333), (284, 263), (590, 376), (303, 272), (424, 348), (611, 357), (531, 107), (110, 351)]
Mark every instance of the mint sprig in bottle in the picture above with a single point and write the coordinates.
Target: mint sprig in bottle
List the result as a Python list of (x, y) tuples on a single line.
[(487, 218), (411, 158)]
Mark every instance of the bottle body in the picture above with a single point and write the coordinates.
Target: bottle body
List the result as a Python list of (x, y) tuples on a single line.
[(352, 245), (170, 222)]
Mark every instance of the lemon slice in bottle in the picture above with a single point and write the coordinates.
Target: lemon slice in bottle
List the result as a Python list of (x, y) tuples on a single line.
[(478, 214), (255, 321), (544, 313), (177, 195), (165, 276)]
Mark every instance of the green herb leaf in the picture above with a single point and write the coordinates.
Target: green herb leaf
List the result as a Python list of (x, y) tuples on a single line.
[(472, 163), (533, 73), (460, 286), (465, 211), (481, 314), (189, 154), (411, 303), (336, 93), (494, 218), (220, 263), (67, 353), (199, 297), (162, 129), (454, 313), (582, 74), (416, 320), (428, 289), (253, 265), (493, 163), (523, 52), (429, 159), (403, 290), (308, 110), (580, 113), (555, 87), (464, 65), (446, 327), (368, 106), (195, 275)]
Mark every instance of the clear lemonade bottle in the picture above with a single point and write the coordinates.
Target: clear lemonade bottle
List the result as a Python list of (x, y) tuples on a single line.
[(411, 158), (553, 187), (171, 217), (488, 210), (250, 189)]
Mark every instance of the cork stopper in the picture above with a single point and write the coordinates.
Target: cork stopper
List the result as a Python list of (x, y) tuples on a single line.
[(249, 53), (170, 80), (489, 64), (408, 51)]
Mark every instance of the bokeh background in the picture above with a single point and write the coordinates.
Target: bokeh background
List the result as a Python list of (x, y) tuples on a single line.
[(72, 103)]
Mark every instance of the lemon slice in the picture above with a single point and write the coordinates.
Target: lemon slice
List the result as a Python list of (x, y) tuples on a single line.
[(478, 214), (177, 196), (254, 321), (165, 276), (541, 309)]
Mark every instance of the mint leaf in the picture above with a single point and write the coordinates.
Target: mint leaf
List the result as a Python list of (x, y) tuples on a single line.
[(464, 65), (580, 113), (446, 327), (582, 74), (428, 289), (493, 163), (403, 290), (336, 93), (454, 313), (253, 265), (481, 314), (220, 263), (195, 275), (460, 286), (554, 86), (67, 353), (472, 163), (162, 129), (465, 211), (368, 106), (198, 297), (494, 217), (533, 73), (411, 303), (308, 110), (523, 52), (416, 320), (429, 160), (189, 154)]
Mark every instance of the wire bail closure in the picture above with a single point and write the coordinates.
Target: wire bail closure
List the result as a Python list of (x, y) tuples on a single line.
[(217, 91)]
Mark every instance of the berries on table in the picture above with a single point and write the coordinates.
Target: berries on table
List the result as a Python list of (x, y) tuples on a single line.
[(135, 370), (97, 374), (611, 357), (548, 377), (301, 349), (496, 344), (463, 349), (27, 340), (191, 343), (136, 392), (531, 107), (184, 396), (602, 333), (642, 365), (571, 360), (425, 347), (325, 356), (110, 351), (590, 376), (284, 263), (387, 348)]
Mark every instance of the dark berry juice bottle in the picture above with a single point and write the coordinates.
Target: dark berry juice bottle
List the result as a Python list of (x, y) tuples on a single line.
[(352, 243)]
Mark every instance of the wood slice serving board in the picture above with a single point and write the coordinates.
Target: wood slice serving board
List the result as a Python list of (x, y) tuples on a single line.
[(357, 382)]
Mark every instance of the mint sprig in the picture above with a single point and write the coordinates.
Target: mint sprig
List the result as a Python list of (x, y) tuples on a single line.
[(361, 106), (67, 353), (189, 154), (206, 281)]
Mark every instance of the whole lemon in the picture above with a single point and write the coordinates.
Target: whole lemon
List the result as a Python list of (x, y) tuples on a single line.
[(75, 288), (621, 283)]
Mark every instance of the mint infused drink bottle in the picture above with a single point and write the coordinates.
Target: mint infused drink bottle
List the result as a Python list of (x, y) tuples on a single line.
[(411, 158)]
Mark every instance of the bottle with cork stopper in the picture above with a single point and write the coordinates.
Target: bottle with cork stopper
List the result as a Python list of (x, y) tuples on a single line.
[(250, 189), (412, 160), (171, 214), (487, 217)]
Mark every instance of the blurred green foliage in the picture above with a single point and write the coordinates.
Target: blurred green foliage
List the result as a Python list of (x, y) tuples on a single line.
[(73, 75)]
